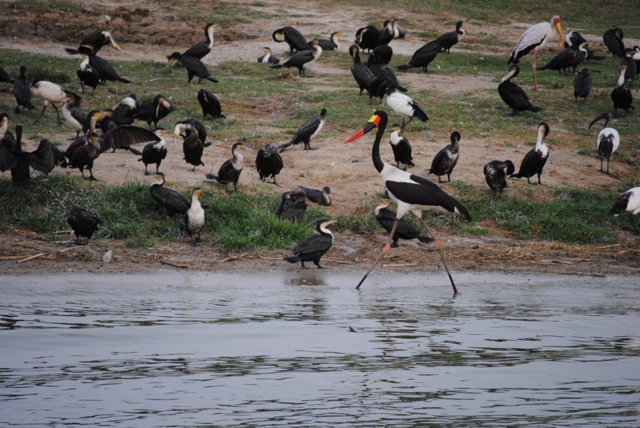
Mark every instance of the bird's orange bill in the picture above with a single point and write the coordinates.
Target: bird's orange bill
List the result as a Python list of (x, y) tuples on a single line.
[(559, 30), (372, 123)]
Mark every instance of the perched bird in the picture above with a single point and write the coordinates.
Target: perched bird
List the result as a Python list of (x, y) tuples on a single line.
[(4, 77), (268, 57), (513, 95), (302, 58), (305, 132), (582, 84), (383, 71), (88, 75), (153, 111), (496, 172), (406, 107), (73, 115), (379, 87), (380, 55), (85, 150), (360, 72), (203, 48), (93, 42), (446, 159), (123, 112), (195, 217), (534, 161), (210, 104), (22, 91), (401, 148), (312, 248), (621, 95), (229, 172), (612, 39), (293, 205), (292, 37), (568, 58), (328, 45), (192, 145), (320, 197), (629, 202), (153, 152), (410, 192), (448, 40), (51, 93), (173, 202), (367, 37), (105, 70), (405, 229), (608, 140), (83, 223), (269, 162), (194, 67), (191, 125), (533, 39), (423, 56)]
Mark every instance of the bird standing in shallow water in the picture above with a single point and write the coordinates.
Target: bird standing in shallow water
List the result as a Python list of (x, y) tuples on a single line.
[(608, 140), (495, 174), (195, 217), (534, 38), (513, 95), (83, 223), (410, 192), (536, 158), (405, 229), (629, 202), (312, 248), (446, 159)]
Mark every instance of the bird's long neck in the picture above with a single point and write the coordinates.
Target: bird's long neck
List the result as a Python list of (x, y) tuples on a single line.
[(210, 36), (621, 78), (375, 151)]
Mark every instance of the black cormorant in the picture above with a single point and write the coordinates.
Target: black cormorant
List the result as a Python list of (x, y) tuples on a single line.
[(302, 58), (621, 95), (312, 248), (194, 67), (446, 159), (22, 91), (292, 37), (568, 58), (192, 145), (293, 205), (361, 73), (229, 172), (582, 85), (307, 131), (173, 202), (448, 40), (93, 42), (88, 75), (496, 172), (269, 162), (153, 152), (105, 70), (153, 111), (367, 37), (404, 230), (612, 39), (320, 197), (513, 95), (423, 56), (123, 111), (401, 147), (536, 158), (83, 223), (210, 104)]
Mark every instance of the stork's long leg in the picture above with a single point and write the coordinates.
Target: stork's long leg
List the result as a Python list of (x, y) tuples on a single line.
[(439, 248), (533, 65), (384, 251)]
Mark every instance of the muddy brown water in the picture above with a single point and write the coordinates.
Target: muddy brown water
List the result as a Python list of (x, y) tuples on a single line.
[(303, 348)]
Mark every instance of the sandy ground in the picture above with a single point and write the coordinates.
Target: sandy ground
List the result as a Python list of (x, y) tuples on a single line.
[(348, 170)]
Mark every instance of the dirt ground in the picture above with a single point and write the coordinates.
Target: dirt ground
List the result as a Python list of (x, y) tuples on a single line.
[(142, 32)]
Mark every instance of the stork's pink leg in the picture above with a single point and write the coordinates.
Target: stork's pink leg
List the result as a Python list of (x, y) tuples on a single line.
[(535, 76)]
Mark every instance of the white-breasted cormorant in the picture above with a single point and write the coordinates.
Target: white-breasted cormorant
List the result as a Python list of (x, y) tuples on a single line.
[(292, 37), (153, 152), (302, 58), (410, 192), (210, 104), (312, 248), (495, 174), (629, 202), (83, 223), (93, 42), (320, 197), (582, 84), (87, 74), (293, 205), (73, 114), (123, 111), (268, 57), (401, 148), (229, 172), (269, 162), (194, 67), (367, 37), (404, 230), (608, 140), (328, 45), (22, 91), (201, 49), (173, 202), (621, 95), (533, 39), (195, 217), (446, 159), (534, 161), (105, 70), (153, 111), (306, 131), (513, 95), (448, 40)]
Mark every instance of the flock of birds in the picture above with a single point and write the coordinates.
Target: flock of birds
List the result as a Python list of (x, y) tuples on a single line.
[(410, 192)]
